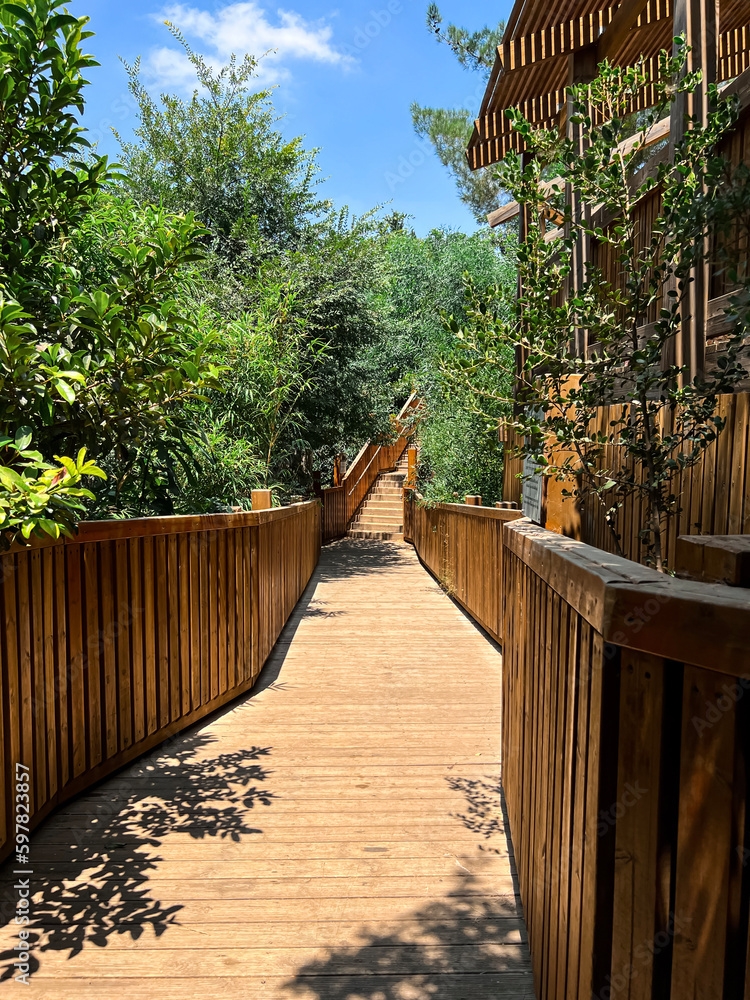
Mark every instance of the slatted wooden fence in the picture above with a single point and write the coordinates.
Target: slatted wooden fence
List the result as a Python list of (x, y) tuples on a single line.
[(461, 546), (626, 750), (715, 493), (341, 503), (133, 631)]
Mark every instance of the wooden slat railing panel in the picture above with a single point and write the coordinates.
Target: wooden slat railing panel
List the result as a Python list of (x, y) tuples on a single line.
[(625, 775), (462, 547), (715, 493), (625, 758), (112, 644)]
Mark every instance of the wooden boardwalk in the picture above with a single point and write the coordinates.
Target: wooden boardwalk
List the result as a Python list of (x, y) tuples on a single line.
[(336, 835)]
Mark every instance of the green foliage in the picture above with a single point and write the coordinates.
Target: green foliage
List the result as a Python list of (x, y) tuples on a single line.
[(219, 156), (449, 129), (426, 285), (279, 259), (273, 362), (41, 84), (667, 420), (95, 352), (37, 498), (457, 455)]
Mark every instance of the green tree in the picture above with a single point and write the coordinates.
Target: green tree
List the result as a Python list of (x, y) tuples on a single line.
[(426, 281), (88, 324), (449, 129), (220, 156)]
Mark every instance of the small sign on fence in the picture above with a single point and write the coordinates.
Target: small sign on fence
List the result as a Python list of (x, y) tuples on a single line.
[(533, 491)]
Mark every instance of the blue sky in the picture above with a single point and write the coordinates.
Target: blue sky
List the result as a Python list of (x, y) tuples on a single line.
[(345, 78)]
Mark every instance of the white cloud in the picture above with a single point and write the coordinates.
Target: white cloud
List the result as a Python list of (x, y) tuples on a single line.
[(241, 28)]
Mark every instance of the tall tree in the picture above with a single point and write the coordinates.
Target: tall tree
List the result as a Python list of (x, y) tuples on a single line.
[(449, 129)]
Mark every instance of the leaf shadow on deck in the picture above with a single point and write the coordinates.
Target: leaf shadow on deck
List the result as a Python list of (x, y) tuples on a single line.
[(103, 846), (483, 797), (469, 945), (351, 557)]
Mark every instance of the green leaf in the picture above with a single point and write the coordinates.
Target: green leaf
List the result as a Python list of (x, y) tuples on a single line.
[(23, 438), (65, 390)]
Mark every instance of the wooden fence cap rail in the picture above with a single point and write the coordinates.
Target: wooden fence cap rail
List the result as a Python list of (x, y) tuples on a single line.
[(704, 624), (144, 527), (714, 558), (494, 513)]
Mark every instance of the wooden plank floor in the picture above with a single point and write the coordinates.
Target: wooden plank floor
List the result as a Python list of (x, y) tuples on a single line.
[(337, 835)]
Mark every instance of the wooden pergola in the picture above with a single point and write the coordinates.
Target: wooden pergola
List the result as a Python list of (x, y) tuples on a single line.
[(551, 44)]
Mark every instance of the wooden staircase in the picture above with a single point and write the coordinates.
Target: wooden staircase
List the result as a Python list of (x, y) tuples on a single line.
[(382, 512)]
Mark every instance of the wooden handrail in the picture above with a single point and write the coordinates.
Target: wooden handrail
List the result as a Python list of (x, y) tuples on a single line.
[(380, 448), (689, 621), (178, 524)]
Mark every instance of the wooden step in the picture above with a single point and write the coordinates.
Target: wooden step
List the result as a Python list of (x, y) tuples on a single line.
[(383, 536)]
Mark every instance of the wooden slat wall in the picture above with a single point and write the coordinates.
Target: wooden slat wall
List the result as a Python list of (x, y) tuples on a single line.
[(604, 257), (114, 643), (512, 468), (715, 492), (736, 148), (462, 547)]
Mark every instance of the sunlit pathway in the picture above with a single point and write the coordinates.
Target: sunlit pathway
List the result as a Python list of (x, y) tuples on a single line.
[(335, 836)]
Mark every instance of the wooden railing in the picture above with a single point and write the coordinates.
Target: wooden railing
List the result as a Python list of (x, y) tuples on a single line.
[(341, 503), (133, 631), (626, 750), (462, 546)]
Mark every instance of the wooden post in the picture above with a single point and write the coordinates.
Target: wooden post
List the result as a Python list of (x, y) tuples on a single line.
[(337, 471), (411, 476), (698, 21), (473, 501), (582, 68), (261, 500), (523, 232)]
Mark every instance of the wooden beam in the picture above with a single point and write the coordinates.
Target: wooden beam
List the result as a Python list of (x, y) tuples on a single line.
[(656, 133), (504, 214), (557, 40), (582, 68), (620, 26), (608, 29)]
